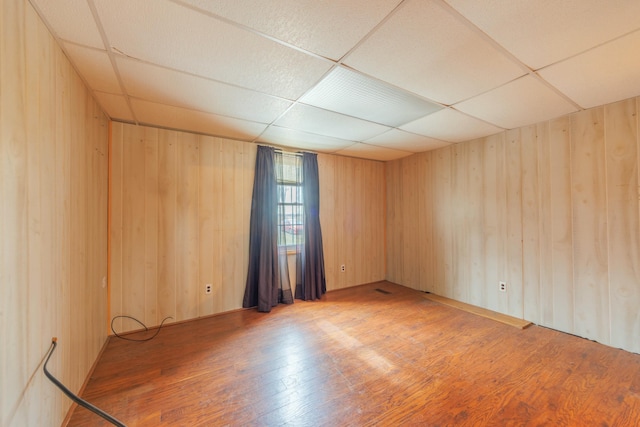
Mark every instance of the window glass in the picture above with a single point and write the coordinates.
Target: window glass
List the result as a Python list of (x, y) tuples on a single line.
[(290, 200)]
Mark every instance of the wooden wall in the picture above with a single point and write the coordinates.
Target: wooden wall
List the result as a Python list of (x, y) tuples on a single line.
[(53, 216), (180, 209), (352, 212), (553, 209)]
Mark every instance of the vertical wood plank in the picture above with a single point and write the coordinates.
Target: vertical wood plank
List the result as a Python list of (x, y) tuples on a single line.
[(360, 224), (133, 236), (562, 224), (394, 222), (167, 243), (206, 206), (216, 239), (513, 181), (187, 227), (442, 221), (530, 224), (424, 218), (409, 206), (460, 224), (475, 281), (116, 211), (326, 173), (491, 227), (151, 226), (544, 309), (590, 225), (621, 136)]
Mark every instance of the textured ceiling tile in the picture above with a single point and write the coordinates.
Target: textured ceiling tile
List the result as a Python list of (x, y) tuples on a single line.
[(354, 94), (115, 106), (195, 121), (373, 152), (400, 140), (426, 50), (176, 37), (306, 141), (451, 125), (323, 122), (522, 102), (164, 86), (542, 32), (328, 28), (95, 67), (603, 75), (71, 20)]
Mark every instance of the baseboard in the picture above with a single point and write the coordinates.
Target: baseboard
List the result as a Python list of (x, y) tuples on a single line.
[(503, 318)]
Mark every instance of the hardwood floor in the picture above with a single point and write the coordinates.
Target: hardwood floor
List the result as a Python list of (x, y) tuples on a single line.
[(361, 357)]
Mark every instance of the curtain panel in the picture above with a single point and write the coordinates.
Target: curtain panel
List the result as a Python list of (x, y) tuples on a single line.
[(267, 262), (311, 283)]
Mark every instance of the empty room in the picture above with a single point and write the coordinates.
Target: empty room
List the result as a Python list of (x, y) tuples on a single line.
[(319, 213)]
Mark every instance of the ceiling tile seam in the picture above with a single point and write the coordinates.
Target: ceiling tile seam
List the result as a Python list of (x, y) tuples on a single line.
[(416, 134), (375, 28), (197, 110), (393, 86), (110, 55), (61, 44), (297, 100), (335, 64), (250, 30), (386, 147), (599, 45), (304, 131), (122, 54), (478, 118), (525, 68)]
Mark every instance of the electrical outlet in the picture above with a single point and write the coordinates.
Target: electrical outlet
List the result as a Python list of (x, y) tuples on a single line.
[(207, 288), (342, 269), (502, 286)]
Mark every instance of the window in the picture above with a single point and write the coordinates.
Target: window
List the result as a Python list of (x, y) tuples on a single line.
[(290, 200)]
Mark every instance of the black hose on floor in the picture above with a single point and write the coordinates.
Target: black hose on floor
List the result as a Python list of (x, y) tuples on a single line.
[(76, 399)]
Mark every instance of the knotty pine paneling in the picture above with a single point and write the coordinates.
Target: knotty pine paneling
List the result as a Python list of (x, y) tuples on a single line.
[(553, 209), (53, 221), (180, 212)]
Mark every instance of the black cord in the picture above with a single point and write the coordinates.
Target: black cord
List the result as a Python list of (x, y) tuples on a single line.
[(72, 396), (143, 325)]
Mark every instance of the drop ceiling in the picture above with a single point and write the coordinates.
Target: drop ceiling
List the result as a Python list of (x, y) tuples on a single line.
[(375, 79)]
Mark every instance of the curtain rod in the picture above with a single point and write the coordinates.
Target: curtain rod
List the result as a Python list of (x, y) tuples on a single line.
[(290, 153)]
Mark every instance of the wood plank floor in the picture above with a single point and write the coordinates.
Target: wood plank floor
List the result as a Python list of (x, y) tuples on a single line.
[(362, 357)]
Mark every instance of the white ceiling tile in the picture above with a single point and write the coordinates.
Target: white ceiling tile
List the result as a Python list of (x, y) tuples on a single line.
[(176, 37), (425, 49), (401, 140), (149, 113), (373, 152), (164, 86), (95, 66), (600, 76), (115, 106), (328, 28), (520, 103), (452, 126), (303, 140), (323, 122), (354, 94), (542, 32), (71, 20)]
